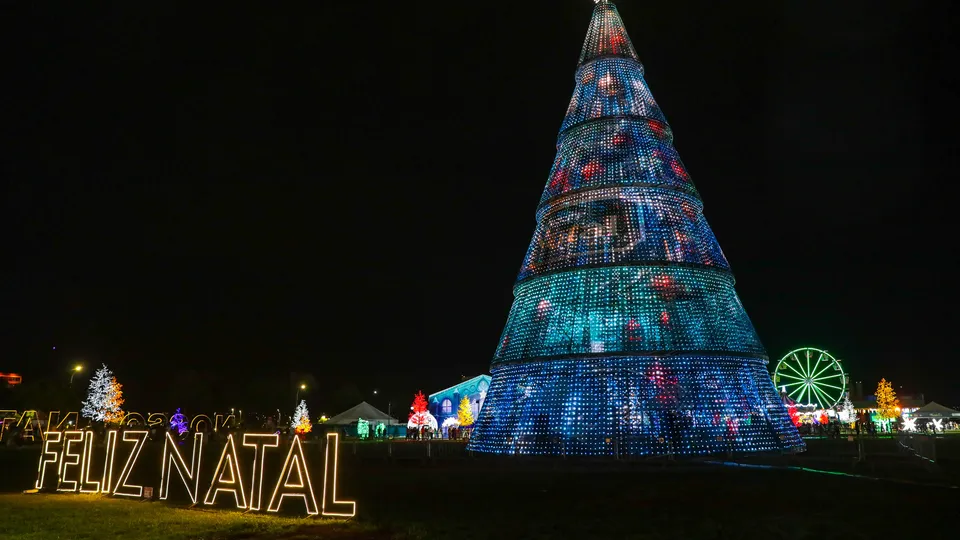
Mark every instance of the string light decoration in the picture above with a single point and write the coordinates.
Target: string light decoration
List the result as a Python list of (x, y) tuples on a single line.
[(626, 336), (227, 477), (55, 423), (294, 480), (179, 422), (122, 487), (363, 429), (332, 507), (86, 484), (609, 226), (48, 457), (464, 414), (794, 415), (420, 417), (300, 422), (104, 398), (173, 461), (847, 413), (259, 442), (109, 458), (70, 458), (888, 406), (133, 419), (201, 422)]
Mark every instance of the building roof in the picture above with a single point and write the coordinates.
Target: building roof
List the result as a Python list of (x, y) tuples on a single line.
[(476, 380), (935, 410), (363, 410)]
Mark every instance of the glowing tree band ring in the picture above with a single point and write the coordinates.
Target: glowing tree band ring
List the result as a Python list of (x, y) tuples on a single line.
[(811, 377)]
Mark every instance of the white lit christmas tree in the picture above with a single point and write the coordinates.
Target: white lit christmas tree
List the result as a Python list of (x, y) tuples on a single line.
[(301, 419), (847, 413), (104, 397)]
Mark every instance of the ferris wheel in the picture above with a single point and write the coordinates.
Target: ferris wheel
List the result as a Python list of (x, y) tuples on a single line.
[(811, 377)]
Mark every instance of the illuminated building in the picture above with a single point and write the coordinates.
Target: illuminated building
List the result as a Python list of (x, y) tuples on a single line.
[(626, 336), (445, 403)]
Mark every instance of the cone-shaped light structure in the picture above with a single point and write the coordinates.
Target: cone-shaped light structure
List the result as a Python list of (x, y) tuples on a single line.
[(626, 336)]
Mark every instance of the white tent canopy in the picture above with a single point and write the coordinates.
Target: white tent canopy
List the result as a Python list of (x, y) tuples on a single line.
[(364, 410), (935, 410)]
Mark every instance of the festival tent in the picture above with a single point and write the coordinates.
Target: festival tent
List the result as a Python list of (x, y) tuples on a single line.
[(364, 410), (936, 410)]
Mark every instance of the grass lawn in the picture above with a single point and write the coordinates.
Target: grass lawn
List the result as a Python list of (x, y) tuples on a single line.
[(532, 500), (49, 517)]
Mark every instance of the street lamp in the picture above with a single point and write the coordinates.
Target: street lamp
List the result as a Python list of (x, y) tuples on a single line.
[(76, 369), (297, 401)]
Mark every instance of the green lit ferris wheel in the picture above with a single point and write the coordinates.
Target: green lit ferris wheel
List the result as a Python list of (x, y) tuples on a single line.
[(811, 377)]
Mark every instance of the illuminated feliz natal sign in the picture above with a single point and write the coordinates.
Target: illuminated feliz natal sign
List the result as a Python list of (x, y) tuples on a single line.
[(67, 465)]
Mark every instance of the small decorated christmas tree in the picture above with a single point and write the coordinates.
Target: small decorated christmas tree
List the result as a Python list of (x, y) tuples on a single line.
[(465, 413), (178, 422), (888, 406), (301, 419), (419, 403), (419, 415), (847, 413), (363, 428), (104, 398)]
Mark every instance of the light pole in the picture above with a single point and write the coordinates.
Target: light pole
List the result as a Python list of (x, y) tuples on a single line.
[(76, 369), (297, 401)]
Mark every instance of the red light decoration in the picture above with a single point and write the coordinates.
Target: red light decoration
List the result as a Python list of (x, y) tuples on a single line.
[(419, 404), (590, 169), (12, 379), (679, 170)]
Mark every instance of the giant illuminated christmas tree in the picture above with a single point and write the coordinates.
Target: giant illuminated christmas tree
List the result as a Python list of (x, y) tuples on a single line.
[(626, 335)]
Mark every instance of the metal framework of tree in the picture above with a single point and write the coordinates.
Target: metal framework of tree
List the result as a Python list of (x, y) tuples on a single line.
[(626, 335)]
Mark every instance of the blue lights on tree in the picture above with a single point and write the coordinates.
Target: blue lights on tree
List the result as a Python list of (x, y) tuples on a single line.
[(626, 336)]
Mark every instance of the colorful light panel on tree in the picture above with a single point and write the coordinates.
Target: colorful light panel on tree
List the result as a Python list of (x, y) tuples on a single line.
[(626, 335), (608, 226), (627, 309), (616, 151)]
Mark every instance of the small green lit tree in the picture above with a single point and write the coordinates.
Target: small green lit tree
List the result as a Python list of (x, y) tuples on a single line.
[(363, 429)]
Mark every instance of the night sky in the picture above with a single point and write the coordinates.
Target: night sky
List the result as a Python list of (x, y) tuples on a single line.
[(221, 204)]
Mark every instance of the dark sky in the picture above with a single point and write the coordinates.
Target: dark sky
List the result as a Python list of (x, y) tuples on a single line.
[(347, 189)]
